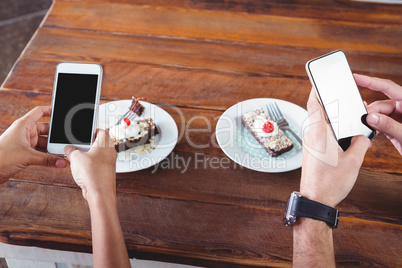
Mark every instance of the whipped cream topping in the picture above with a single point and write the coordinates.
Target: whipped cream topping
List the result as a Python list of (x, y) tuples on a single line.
[(259, 123), (122, 131)]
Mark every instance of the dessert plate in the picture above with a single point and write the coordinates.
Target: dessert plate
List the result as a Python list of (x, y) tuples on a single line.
[(128, 161), (240, 146)]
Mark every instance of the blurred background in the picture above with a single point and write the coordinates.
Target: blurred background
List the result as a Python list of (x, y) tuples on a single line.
[(19, 20)]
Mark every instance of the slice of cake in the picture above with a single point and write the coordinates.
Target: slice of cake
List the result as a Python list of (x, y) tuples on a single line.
[(266, 132), (136, 106), (128, 135)]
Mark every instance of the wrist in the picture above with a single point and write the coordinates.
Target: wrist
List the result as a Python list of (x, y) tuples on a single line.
[(311, 230), (298, 206), (97, 198), (315, 197), (98, 184), (307, 224), (311, 191)]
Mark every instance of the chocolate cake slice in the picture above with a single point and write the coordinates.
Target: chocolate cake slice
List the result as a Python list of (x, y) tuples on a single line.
[(137, 133), (136, 106), (266, 132)]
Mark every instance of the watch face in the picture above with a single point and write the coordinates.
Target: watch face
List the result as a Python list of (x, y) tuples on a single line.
[(289, 221), (288, 218)]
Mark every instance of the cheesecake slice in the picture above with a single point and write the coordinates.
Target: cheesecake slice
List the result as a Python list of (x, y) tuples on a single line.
[(266, 132)]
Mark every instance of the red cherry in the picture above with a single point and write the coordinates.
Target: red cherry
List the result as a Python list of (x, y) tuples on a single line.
[(268, 127), (127, 121)]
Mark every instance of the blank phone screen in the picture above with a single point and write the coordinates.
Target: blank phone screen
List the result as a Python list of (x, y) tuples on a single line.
[(74, 106), (339, 95)]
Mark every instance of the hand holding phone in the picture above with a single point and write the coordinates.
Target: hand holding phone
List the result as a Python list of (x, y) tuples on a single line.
[(385, 115), (339, 95), (75, 104), (22, 145)]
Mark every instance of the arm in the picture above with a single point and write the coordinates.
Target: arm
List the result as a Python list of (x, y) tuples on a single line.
[(385, 116), (328, 175), (109, 248), (95, 172), (312, 244), (23, 144)]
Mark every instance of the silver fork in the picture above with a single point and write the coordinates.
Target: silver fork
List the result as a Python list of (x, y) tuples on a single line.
[(275, 113), (131, 117), (122, 117)]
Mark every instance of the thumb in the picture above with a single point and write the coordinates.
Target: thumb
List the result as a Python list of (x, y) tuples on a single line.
[(46, 159), (358, 148), (385, 125), (68, 151)]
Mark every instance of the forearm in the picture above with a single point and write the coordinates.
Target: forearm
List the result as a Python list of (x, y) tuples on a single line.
[(312, 244), (109, 249)]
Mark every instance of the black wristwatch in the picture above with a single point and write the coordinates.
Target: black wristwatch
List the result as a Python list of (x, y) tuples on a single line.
[(299, 206)]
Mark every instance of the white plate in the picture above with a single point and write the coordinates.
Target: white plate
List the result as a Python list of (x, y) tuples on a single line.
[(240, 146), (108, 112)]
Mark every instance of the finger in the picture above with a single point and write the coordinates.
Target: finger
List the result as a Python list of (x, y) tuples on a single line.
[(99, 136), (388, 87), (97, 131), (315, 112), (383, 107), (36, 113), (42, 128), (68, 151), (312, 103), (397, 144), (385, 124), (102, 139), (358, 148), (45, 159)]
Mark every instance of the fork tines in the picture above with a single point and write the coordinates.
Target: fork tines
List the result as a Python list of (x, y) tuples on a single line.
[(271, 112), (274, 112), (122, 117), (132, 116)]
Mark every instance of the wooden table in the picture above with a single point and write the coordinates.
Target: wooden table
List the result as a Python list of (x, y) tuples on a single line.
[(203, 57)]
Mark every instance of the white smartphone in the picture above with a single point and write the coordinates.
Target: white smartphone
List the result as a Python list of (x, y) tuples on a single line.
[(339, 95), (75, 101)]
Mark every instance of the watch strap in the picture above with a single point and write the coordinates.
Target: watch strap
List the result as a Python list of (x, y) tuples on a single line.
[(307, 208)]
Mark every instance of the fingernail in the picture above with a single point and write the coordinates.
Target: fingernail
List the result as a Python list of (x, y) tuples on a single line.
[(60, 163), (372, 119)]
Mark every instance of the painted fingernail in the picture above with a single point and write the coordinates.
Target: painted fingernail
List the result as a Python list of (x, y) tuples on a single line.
[(373, 119)]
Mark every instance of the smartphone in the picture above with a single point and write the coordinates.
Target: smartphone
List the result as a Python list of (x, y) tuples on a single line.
[(75, 101), (339, 95)]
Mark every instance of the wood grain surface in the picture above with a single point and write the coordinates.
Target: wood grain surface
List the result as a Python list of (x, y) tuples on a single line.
[(196, 58)]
